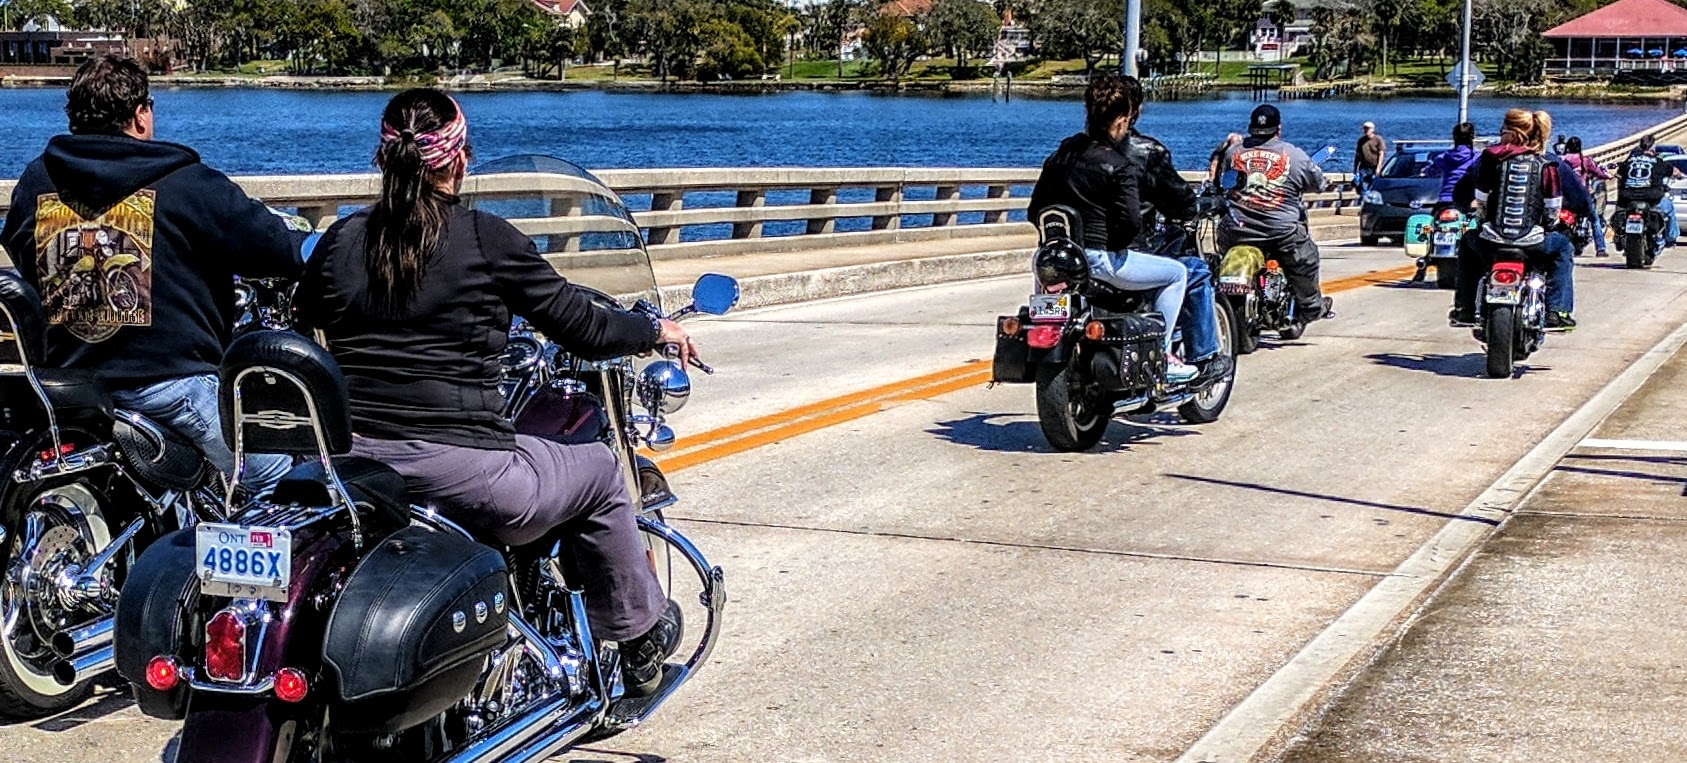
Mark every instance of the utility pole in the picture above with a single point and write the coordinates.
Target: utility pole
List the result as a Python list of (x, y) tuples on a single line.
[(1133, 37), (1466, 67)]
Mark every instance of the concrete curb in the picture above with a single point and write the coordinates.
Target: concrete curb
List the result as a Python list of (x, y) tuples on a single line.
[(786, 288)]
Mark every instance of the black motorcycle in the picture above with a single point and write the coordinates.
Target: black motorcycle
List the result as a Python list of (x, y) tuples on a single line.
[(1640, 233), (86, 487), (1094, 351), (1511, 314)]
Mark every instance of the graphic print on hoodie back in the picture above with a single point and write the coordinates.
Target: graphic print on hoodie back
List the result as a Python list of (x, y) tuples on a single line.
[(95, 269)]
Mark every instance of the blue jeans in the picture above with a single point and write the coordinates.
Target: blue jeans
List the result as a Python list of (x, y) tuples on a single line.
[(188, 406), (1672, 226), (1597, 224), (1141, 271), (1198, 321)]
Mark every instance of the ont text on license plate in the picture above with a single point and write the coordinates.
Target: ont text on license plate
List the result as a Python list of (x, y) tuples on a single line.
[(244, 562), (1050, 307)]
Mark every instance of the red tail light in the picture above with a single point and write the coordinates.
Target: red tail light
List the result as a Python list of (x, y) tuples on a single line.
[(1506, 277), (291, 685), (1567, 217), (1043, 337), (225, 647), (1448, 215), (161, 673)]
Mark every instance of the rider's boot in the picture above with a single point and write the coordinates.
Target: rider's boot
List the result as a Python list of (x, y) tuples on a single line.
[(642, 656)]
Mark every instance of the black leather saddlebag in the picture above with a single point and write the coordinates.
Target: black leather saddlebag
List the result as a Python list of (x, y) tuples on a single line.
[(1130, 356), (1012, 364), (411, 631), (158, 595)]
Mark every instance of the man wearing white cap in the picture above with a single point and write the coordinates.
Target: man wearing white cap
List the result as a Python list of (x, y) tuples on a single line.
[(1367, 158)]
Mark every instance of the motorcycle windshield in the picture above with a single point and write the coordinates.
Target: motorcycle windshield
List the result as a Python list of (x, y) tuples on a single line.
[(578, 224)]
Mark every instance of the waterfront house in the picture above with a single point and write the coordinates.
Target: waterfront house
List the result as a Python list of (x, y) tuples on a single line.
[(572, 13), (1641, 41)]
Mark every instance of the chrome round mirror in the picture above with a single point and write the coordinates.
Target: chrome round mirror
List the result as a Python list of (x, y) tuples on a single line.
[(661, 438), (664, 387), (714, 294)]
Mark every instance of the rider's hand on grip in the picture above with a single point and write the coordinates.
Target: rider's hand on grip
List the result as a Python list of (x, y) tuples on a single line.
[(678, 343)]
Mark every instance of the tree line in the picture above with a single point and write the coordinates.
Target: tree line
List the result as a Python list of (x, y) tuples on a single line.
[(734, 39)]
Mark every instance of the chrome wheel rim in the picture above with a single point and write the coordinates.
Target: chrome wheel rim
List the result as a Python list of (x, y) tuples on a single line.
[(57, 532)]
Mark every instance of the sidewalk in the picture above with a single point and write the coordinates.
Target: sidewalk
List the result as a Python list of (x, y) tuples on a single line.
[(1562, 639)]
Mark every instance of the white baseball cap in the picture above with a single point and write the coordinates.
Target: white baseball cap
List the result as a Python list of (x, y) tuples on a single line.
[(1369, 125)]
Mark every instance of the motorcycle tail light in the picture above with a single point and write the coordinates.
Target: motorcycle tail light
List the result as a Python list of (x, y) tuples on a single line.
[(1272, 265), (1043, 337), (1635, 216), (1094, 331), (162, 674), (225, 647), (1010, 327), (1448, 215), (1567, 217), (291, 685), (1506, 277)]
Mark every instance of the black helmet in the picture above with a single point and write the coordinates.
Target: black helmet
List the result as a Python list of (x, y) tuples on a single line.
[(1061, 262)]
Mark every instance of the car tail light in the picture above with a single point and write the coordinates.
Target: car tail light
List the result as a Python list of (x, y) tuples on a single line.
[(225, 647), (161, 673), (1094, 331), (1506, 277), (1448, 215), (1010, 327), (1043, 337), (291, 685)]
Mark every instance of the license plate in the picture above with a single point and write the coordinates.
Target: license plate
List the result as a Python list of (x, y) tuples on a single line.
[(1446, 238), (1051, 307), (244, 562), (1635, 225)]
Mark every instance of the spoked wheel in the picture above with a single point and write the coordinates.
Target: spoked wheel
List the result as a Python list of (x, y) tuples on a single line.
[(62, 527), (1209, 403), (1072, 418), (1501, 330)]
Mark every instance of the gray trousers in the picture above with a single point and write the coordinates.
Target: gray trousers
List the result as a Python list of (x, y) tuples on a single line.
[(518, 496)]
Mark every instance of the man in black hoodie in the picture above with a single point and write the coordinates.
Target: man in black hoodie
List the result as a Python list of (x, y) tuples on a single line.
[(133, 245)]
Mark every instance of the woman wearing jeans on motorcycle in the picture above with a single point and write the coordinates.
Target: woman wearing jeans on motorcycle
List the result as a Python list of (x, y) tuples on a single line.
[(415, 296), (1092, 173)]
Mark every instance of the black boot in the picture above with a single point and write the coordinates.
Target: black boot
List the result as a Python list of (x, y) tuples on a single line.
[(642, 656)]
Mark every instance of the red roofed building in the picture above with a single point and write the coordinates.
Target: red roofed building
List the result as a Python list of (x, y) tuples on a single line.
[(1627, 35), (571, 12)]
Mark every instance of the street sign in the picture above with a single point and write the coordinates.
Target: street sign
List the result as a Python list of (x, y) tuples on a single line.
[(1455, 76)]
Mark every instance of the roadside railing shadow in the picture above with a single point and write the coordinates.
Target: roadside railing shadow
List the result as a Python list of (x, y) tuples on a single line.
[(1665, 479), (1333, 498), (983, 432), (1468, 365), (103, 704)]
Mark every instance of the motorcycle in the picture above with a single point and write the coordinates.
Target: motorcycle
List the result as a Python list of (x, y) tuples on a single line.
[(334, 621), (86, 486), (1511, 316), (1093, 351), (1434, 241), (1641, 228)]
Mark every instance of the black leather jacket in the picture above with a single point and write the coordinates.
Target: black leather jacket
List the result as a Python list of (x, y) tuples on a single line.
[(1162, 191), (1096, 178)]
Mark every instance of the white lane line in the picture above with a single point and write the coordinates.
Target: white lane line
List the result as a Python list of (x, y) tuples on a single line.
[(1668, 446), (1269, 718)]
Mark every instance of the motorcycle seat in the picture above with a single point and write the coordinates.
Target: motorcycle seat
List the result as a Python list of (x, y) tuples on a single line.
[(375, 487), (1114, 299), (158, 454), (75, 393)]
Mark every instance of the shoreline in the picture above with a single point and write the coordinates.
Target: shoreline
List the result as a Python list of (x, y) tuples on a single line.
[(1035, 88)]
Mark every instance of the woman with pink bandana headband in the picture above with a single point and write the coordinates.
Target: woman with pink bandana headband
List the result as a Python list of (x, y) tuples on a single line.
[(415, 295)]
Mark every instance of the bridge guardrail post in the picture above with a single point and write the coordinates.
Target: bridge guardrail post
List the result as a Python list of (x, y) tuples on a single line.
[(946, 193), (564, 206), (321, 215), (750, 198), (665, 201), (998, 192), (893, 195), (819, 197)]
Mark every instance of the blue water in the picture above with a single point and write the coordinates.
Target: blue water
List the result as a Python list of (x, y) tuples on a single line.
[(279, 132)]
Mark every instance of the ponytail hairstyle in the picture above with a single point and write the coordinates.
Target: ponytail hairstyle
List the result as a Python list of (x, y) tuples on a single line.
[(424, 145), (1108, 97), (1526, 128), (1543, 130)]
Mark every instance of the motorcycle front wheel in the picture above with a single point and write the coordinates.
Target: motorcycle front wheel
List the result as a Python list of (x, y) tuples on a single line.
[(1071, 420), (1501, 330)]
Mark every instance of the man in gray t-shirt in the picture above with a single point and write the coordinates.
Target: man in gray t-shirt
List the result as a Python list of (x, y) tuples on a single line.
[(1267, 177)]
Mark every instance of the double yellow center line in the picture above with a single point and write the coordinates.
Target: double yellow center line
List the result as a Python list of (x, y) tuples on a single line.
[(766, 430)]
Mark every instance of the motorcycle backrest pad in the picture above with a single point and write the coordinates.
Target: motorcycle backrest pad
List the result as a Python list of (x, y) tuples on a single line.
[(410, 631), (1058, 222), (279, 392), (24, 322)]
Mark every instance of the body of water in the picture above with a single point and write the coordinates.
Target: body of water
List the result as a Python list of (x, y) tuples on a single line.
[(261, 131)]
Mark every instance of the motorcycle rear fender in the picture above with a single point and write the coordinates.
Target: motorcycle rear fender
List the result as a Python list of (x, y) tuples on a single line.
[(1011, 364), (1508, 293)]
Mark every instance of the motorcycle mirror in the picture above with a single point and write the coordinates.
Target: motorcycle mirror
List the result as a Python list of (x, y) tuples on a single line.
[(1325, 154), (714, 294)]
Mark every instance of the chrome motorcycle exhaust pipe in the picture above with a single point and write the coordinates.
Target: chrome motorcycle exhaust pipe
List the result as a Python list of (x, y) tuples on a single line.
[(84, 666), (72, 642), (517, 740)]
